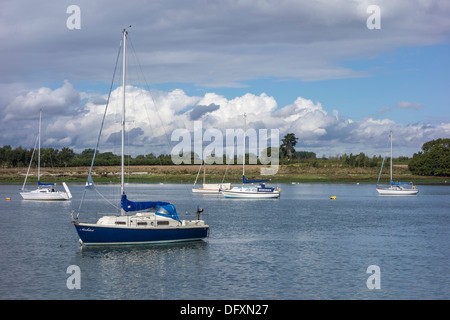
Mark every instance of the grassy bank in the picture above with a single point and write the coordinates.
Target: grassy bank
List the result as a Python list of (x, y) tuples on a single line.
[(214, 173)]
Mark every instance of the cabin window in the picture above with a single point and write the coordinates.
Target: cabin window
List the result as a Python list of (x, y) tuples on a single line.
[(163, 223), (142, 223), (162, 210), (121, 222)]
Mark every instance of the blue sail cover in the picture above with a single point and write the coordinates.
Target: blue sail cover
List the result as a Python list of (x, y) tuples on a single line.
[(46, 184), (165, 209), (398, 183), (245, 180)]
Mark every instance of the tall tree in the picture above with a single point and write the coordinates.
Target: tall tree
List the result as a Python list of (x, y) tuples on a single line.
[(434, 160), (66, 155), (288, 143)]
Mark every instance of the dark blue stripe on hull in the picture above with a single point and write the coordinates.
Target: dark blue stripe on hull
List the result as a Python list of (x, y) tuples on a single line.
[(91, 235)]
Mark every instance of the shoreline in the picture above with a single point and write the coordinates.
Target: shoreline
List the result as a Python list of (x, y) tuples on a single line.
[(297, 173)]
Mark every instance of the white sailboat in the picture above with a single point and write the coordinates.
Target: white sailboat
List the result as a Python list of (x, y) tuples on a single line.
[(209, 188), (152, 221), (395, 188), (260, 191), (45, 191)]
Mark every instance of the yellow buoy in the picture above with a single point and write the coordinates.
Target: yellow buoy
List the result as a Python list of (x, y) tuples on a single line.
[(8, 198), (333, 198)]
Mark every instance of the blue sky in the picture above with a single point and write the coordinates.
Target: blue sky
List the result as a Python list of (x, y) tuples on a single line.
[(408, 74), (411, 74), (308, 67)]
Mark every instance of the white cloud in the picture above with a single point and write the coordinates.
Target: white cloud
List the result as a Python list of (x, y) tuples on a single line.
[(27, 105), (152, 117), (212, 43)]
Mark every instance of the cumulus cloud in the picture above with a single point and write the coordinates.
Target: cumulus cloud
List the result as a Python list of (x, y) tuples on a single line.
[(153, 116), (210, 44), (200, 110), (61, 101), (19, 119)]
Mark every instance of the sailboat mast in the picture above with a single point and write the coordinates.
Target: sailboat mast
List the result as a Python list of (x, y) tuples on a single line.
[(39, 147), (243, 150), (391, 155), (122, 179)]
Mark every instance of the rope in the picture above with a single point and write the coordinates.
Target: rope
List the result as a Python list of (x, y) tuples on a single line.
[(88, 184)]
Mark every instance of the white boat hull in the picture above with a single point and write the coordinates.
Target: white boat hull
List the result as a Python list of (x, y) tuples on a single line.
[(249, 193), (397, 191), (212, 188), (47, 194), (203, 190)]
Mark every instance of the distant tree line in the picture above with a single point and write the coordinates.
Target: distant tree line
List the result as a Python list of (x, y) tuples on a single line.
[(434, 159), (66, 157), (288, 155)]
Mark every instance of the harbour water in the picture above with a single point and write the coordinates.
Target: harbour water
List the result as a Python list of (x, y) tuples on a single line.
[(301, 246)]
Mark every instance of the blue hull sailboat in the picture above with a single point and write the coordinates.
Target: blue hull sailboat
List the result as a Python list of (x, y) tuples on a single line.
[(152, 221)]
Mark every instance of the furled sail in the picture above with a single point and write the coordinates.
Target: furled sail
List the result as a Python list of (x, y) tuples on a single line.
[(245, 180), (164, 209), (398, 183), (46, 184)]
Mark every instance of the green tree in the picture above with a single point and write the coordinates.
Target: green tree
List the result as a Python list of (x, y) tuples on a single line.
[(433, 160), (87, 153), (304, 155), (48, 157), (288, 143), (65, 156)]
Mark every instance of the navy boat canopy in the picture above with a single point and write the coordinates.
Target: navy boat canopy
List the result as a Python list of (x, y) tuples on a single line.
[(164, 209), (245, 180), (398, 183), (45, 184)]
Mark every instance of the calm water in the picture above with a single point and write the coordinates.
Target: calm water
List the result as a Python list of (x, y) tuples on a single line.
[(302, 246)]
